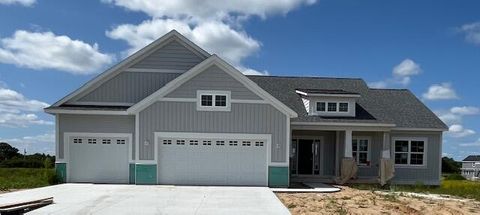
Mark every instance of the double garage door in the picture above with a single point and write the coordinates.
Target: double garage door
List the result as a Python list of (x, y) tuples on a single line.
[(212, 159), (98, 159)]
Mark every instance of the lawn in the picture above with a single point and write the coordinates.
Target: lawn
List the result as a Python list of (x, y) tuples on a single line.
[(461, 188), (23, 178)]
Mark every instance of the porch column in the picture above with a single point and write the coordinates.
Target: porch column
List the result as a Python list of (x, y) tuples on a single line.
[(386, 145), (348, 144)]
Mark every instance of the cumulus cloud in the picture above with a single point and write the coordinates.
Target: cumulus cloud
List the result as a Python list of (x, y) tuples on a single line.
[(16, 110), (401, 75), (43, 143), (455, 114), (210, 9), (20, 2), (215, 26), (459, 131), (476, 143), (45, 50), (442, 91), (472, 32), (465, 110)]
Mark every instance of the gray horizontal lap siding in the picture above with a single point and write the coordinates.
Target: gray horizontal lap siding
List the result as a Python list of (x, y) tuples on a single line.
[(94, 124), (183, 117), (129, 87), (172, 56), (470, 165), (430, 174), (213, 78)]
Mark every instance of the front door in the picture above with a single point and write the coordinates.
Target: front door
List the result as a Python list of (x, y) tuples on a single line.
[(305, 157)]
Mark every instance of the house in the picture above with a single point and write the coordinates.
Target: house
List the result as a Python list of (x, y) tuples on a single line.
[(471, 167), (174, 114)]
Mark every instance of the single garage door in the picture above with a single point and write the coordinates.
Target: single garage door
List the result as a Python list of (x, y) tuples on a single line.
[(207, 159), (98, 159)]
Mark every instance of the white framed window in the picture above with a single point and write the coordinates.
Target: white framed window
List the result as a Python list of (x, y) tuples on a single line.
[(121, 141), (410, 151), (321, 106), (213, 100), (92, 141), (77, 140), (332, 107), (361, 147), (220, 143), (181, 142), (343, 107), (167, 142), (106, 141)]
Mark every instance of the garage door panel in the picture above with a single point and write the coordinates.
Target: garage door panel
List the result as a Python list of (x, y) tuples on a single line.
[(228, 164)]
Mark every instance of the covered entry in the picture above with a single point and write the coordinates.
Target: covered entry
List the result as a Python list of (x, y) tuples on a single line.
[(212, 159)]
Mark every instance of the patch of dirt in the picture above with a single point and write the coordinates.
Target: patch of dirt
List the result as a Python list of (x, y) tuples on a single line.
[(354, 201)]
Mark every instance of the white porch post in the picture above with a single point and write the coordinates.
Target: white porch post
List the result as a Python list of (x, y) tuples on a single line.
[(386, 145), (348, 143)]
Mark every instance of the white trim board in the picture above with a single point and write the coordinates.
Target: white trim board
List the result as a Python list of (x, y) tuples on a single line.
[(137, 56), (66, 145), (176, 71), (86, 112), (213, 60)]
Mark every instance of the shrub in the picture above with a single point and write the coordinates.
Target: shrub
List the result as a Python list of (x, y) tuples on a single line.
[(454, 177)]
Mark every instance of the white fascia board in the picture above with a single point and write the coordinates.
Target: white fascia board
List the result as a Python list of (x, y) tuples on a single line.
[(86, 112), (352, 124), (132, 58), (213, 60), (327, 95)]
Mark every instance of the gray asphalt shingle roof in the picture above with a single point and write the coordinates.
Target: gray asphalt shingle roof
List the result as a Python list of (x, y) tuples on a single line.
[(392, 106), (472, 158)]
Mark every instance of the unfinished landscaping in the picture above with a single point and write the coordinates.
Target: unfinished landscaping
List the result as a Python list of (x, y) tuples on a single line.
[(356, 201)]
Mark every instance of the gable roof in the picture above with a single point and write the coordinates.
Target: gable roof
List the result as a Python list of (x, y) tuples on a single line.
[(374, 106), (137, 56), (212, 60), (472, 158)]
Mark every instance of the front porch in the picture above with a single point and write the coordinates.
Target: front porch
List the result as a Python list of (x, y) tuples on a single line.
[(316, 153)]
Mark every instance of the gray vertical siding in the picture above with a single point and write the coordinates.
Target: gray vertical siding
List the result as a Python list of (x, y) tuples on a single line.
[(183, 117), (375, 150), (95, 124), (213, 78), (129, 87), (430, 174), (172, 56)]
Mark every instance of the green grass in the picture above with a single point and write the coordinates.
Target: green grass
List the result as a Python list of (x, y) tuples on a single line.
[(22, 178), (460, 188)]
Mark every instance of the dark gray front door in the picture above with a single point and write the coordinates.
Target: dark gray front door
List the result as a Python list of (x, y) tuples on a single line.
[(305, 157)]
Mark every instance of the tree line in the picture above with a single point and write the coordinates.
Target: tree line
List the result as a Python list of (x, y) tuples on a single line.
[(11, 158)]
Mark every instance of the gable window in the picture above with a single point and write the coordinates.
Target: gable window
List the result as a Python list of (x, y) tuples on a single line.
[(361, 150), (410, 152), (210, 100), (332, 107), (343, 107), (321, 106)]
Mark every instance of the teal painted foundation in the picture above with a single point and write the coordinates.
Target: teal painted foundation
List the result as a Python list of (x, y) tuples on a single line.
[(61, 171), (131, 173), (278, 176), (146, 174)]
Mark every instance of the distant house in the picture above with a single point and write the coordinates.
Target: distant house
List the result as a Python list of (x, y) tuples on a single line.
[(471, 167), (174, 114)]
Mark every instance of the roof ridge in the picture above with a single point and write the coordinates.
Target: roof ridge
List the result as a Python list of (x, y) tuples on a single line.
[(391, 89), (316, 77)]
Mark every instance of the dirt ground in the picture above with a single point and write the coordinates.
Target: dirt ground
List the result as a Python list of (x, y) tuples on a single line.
[(354, 201)]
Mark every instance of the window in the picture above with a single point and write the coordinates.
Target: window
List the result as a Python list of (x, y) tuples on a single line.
[(194, 142), (343, 107), (167, 142), (106, 141), (332, 106), (207, 143), (321, 106), (121, 142), (92, 141), (213, 100), (233, 143), (361, 151), (220, 143), (76, 140), (259, 143), (410, 152), (180, 142), (246, 143)]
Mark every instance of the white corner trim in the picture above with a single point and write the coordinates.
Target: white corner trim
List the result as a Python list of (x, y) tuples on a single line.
[(160, 42), (213, 60), (176, 71), (57, 139), (86, 112)]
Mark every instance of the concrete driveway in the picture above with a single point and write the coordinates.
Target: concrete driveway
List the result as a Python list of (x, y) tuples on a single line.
[(137, 199)]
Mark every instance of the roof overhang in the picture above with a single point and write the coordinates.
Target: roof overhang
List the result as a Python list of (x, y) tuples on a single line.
[(344, 95), (86, 112), (420, 129)]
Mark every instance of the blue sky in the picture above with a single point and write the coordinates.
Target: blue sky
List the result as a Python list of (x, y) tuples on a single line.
[(50, 48)]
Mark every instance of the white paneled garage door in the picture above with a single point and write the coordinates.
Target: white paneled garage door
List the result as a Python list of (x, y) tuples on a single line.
[(98, 159), (212, 159)]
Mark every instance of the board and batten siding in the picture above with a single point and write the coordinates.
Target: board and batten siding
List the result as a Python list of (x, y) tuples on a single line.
[(429, 174), (376, 146), (165, 116), (94, 124), (129, 87), (172, 56), (213, 78)]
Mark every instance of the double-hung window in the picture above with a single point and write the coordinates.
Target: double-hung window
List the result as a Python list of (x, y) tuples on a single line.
[(209, 100), (361, 150), (410, 151)]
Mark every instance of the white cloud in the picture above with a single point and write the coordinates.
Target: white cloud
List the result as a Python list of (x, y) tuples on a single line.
[(455, 114), (459, 131), (210, 9), (448, 117), (21, 2), (45, 50), (15, 110), (442, 91), (465, 110), (476, 143), (401, 75), (43, 143), (472, 32)]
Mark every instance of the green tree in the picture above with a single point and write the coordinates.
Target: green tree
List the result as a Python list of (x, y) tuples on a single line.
[(7, 151), (450, 166)]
